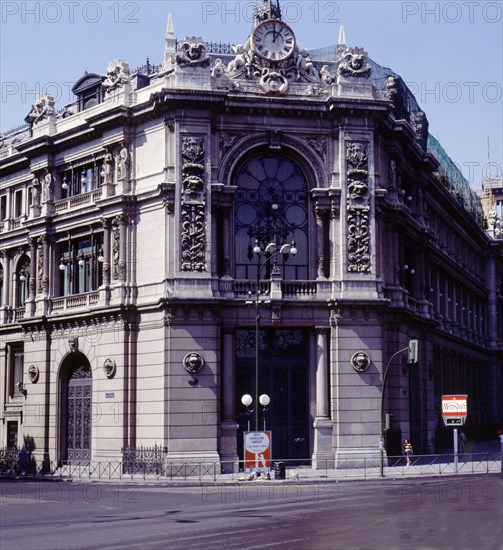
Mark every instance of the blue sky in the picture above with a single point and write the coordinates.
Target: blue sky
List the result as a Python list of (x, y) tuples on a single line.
[(449, 53)]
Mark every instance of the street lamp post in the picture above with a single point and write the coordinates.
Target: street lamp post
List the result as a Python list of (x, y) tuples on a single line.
[(264, 256), (412, 349)]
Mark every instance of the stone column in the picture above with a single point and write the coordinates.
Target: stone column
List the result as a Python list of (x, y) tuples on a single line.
[(334, 239), (122, 249), (32, 283), (4, 309), (119, 266), (320, 231), (323, 455), (228, 426), (104, 290), (42, 270)]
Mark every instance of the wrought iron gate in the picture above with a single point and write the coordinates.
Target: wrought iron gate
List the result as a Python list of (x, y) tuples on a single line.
[(79, 408)]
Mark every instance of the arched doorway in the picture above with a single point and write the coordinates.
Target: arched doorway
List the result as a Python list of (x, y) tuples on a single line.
[(76, 409)]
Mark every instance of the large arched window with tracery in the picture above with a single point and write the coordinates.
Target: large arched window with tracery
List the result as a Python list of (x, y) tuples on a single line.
[(271, 206)]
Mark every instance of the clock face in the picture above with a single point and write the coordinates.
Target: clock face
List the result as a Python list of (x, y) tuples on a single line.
[(273, 40)]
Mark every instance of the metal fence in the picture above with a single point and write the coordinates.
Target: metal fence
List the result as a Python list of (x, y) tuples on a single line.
[(150, 465)]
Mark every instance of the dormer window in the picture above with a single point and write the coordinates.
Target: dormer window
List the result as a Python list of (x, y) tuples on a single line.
[(89, 91)]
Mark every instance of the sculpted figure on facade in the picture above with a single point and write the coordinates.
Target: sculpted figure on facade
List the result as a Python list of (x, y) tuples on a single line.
[(354, 63), (35, 195), (420, 123), (42, 109), (218, 69), (391, 88), (240, 61), (192, 52), (272, 71), (325, 75), (122, 162), (47, 188), (304, 64), (118, 76), (108, 168)]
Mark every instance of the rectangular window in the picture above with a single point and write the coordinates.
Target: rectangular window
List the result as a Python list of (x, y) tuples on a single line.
[(12, 435), (16, 360), (3, 207), (80, 268), (82, 179), (18, 204)]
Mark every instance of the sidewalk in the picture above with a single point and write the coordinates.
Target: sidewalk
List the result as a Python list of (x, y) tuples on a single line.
[(210, 474)]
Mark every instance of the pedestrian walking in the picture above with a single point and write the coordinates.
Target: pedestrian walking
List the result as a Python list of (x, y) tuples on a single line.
[(407, 451), (23, 462)]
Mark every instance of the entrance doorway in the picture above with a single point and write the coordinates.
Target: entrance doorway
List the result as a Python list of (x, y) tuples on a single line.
[(283, 375), (76, 417)]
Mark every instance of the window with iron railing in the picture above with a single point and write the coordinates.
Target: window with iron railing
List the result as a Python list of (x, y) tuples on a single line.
[(80, 266), (82, 179)]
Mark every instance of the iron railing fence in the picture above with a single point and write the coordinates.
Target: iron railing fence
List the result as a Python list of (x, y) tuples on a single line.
[(144, 460), (144, 465)]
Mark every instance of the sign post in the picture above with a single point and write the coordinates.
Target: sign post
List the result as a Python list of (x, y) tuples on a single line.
[(257, 451), (454, 413)]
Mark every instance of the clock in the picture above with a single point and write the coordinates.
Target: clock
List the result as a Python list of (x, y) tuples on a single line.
[(273, 40)]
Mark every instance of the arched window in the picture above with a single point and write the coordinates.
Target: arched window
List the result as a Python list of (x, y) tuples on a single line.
[(271, 206), (22, 280)]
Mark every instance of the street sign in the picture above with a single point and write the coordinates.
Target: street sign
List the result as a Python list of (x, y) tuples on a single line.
[(257, 451), (453, 421), (454, 409)]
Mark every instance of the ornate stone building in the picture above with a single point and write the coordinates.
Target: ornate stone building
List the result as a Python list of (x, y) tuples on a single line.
[(136, 230)]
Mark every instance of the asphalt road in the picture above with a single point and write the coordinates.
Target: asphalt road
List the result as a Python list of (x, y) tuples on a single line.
[(464, 512)]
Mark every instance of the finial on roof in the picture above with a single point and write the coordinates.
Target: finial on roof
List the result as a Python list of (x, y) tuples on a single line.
[(170, 31), (341, 44), (169, 43), (342, 36)]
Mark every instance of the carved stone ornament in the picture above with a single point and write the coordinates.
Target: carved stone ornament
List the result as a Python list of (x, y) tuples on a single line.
[(358, 209), (272, 76), (273, 83), (193, 204), (192, 52), (118, 75), (193, 362), (73, 344), (109, 368), (360, 361), (42, 109), (33, 374), (354, 63)]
